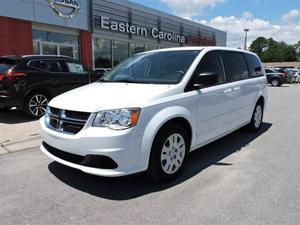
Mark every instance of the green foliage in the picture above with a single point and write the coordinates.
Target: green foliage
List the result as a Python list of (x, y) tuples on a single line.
[(270, 50), (297, 47)]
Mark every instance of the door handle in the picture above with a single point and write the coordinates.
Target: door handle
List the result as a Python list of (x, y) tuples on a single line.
[(226, 91), (237, 88)]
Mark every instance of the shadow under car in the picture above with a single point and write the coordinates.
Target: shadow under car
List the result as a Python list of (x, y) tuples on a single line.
[(134, 186)]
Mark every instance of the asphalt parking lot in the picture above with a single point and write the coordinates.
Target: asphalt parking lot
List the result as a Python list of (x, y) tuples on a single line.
[(243, 178)]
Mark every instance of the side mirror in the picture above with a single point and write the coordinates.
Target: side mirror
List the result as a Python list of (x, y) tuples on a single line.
[(205, 80)]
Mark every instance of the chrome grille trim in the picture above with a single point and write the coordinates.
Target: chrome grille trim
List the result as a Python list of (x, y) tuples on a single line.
[(57, 120)]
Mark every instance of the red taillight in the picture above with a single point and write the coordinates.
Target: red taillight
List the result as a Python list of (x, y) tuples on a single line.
[(2, 77), (11, 74)]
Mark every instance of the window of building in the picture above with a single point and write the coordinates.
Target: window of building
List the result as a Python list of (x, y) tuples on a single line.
[(36, 48), (109, 53), (150, 47), (102, 53), (136, 48), (49, 49), (120, 52), (47, 42), (67, 51), (49, 36)]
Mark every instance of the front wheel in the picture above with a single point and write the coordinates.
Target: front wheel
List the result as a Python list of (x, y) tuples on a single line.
[(169, 152), (257, 118), (36, 105)]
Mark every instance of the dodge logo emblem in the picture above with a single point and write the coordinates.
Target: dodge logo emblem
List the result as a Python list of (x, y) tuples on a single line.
[(66, 9)]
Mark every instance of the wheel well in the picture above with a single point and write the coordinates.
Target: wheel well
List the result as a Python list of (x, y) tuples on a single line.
[(183, 122), (275, 78), (261, 100)]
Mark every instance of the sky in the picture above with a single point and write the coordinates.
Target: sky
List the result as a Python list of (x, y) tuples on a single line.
[(278, 19)]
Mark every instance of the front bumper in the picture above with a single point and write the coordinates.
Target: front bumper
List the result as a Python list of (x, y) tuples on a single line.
[(123, 147)]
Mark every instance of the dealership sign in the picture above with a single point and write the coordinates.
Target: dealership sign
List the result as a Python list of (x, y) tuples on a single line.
[(66, 9), (106, 23)]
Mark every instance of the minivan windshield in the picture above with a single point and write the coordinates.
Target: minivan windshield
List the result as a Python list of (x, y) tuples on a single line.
[(167, 67)]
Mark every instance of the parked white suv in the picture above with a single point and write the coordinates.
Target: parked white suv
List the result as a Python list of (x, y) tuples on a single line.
[(153, 109)]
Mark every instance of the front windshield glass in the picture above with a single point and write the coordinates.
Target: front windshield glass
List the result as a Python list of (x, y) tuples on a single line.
[(167, 67)]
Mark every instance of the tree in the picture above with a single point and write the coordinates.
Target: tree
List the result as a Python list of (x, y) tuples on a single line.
[(270, 50), (297, 48), (258, 45)]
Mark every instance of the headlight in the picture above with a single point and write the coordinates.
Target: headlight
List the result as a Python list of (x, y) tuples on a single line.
[(119, 119)]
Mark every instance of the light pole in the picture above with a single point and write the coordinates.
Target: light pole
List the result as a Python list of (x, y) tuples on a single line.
[(246, 37)]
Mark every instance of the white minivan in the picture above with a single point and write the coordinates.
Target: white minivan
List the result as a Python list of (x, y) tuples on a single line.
[(153, 109)]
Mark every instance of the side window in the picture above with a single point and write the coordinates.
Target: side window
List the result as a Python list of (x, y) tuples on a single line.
[(46, 65), (236, 66), (255, 66), (75, 68), (211, 62)]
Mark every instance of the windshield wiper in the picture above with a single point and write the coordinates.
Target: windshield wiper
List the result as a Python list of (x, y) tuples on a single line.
[(125, 81), (118, 81)]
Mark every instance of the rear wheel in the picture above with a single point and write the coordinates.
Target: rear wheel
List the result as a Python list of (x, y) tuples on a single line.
[(275, 83), (36, 105), (257, 118), (169, 152)]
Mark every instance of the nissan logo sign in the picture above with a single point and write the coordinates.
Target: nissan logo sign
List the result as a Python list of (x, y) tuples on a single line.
[(66, 9)]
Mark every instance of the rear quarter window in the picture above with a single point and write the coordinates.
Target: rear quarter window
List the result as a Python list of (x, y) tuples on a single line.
[(75, 68), (255, 67), (6, 65)]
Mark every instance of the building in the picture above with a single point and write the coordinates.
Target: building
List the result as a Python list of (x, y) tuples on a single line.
[(99, 33), (295, 65)]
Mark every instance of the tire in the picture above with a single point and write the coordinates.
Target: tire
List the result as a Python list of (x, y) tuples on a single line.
[(275, 82), (167, 162), (257, 118), (36, 104)]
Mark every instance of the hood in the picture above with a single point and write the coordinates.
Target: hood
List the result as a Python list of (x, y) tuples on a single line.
[(104, 96)]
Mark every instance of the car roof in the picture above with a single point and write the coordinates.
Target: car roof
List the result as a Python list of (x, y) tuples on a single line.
[(19, 57), (46, 57), (197, 48)]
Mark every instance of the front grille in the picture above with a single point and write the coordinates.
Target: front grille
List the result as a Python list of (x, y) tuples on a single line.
[(77, 115), (66, 121), (93, 161)]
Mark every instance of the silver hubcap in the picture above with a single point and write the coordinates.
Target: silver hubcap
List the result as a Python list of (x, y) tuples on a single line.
[(275, 82), (38, 105), (258, 116), (172, 154)]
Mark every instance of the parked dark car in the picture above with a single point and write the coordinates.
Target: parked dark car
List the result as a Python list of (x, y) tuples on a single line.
[(276, 78), (29, 82), (287, 73)]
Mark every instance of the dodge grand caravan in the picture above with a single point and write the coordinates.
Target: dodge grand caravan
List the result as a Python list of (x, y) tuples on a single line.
[(155, 108)]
